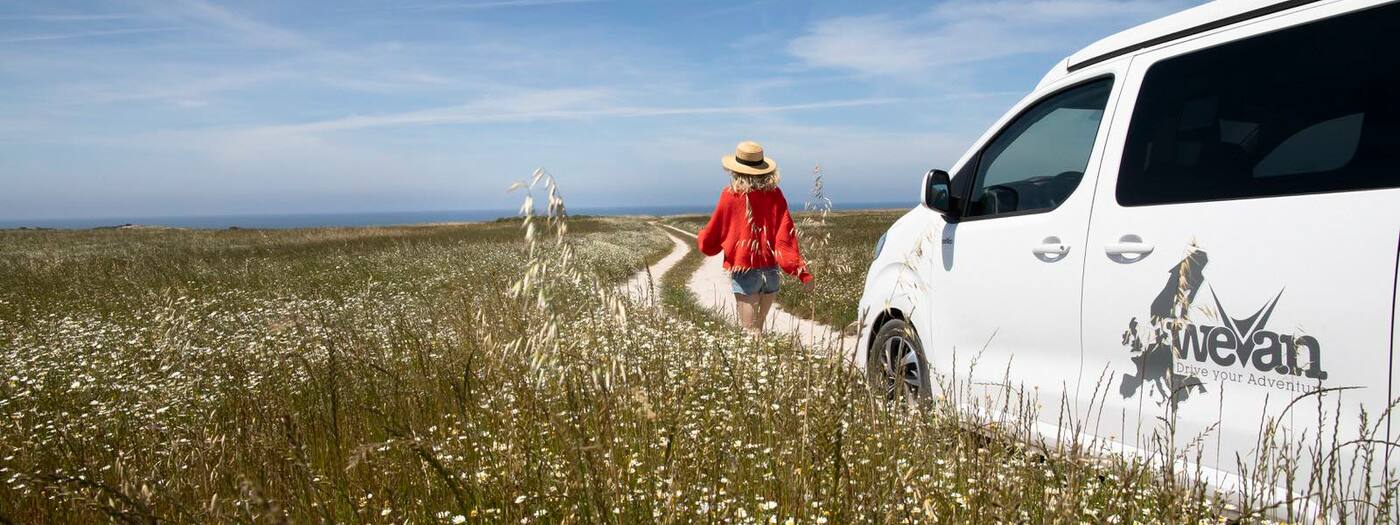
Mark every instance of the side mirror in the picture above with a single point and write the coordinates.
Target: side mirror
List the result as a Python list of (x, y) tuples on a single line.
[(938, 193)]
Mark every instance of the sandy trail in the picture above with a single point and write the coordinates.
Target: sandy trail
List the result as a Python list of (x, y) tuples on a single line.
[(643, 287), (710, 285)]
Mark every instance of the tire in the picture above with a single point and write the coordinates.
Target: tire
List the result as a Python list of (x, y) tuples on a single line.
[(909, 377)]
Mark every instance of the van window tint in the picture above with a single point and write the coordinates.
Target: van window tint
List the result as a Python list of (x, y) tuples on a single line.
[(1309, 109), (1037, 160)]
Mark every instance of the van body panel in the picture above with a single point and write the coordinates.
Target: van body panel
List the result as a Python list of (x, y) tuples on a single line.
[(894, 280), (1242, 307), (994, 302)]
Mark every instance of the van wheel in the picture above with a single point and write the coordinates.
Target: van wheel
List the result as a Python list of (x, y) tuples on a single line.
[(896, 364)]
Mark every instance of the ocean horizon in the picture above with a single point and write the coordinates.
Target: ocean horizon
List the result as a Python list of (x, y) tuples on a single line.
[(365, 219)]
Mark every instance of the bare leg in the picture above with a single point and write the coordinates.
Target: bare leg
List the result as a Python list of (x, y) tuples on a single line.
[(747, 306), (765, 303)]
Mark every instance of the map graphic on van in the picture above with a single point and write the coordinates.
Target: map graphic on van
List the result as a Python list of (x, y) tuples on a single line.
[(1154, 361), (1167, 352)]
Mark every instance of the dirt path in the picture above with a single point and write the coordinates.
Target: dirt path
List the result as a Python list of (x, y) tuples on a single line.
[(645, 285), (710, 285)]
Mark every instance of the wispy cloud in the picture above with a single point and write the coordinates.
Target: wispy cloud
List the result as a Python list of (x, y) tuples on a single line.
[(214, 17), (1052, 11), (85, 34), (193, 86), (732, 10), (70, 18), (491, 4), (235, 105), (565, 104), (965, 31)]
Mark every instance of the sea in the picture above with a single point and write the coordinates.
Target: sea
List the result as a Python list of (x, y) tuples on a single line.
[(323, 220)]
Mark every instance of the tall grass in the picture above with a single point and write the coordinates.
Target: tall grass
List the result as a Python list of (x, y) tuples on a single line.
[(458, 374)]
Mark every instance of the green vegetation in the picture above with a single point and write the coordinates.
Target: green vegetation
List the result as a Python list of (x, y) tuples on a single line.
[(839, 251), (675, 291), (454, 374)]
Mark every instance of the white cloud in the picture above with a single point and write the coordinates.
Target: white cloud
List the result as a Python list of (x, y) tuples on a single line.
[(1054, 11), (965, 31), (69, 17), (240, 109), (238, 27), (85, 34), (558, 104), (493, 4), (184, 85), (305, 143)]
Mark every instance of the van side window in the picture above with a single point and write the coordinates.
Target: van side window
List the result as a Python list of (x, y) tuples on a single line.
[(1310, 109), (1037, 160)]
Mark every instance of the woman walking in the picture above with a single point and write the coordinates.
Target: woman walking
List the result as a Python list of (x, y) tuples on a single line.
[(752, 226)]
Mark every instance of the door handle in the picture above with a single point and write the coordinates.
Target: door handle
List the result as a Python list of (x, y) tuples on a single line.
[(1051, 249), (1128, 248)]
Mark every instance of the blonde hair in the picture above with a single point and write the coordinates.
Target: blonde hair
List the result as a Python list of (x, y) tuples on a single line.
[(740, 183)]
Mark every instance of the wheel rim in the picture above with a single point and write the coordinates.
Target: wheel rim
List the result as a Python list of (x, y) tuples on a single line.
[(900, 367)]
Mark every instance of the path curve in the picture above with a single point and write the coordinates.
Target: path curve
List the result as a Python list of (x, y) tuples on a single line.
[(643, 287), (710, 285)]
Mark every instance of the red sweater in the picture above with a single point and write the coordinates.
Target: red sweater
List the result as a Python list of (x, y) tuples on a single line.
[(754, 230)]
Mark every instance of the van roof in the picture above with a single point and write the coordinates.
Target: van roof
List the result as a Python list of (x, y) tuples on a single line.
[(1201, 18)]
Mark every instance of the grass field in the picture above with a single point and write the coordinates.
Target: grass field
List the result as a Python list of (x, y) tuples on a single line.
[(410, 375)]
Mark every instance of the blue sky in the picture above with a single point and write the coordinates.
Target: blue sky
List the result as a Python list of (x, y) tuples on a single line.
[(196, 107)]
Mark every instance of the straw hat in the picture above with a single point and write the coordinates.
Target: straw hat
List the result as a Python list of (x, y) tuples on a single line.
[(748, 159)]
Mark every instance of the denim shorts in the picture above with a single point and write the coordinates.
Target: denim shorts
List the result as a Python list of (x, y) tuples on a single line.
[(755, 281)]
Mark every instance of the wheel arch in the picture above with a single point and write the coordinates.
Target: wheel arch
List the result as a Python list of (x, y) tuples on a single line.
[(891, 292)]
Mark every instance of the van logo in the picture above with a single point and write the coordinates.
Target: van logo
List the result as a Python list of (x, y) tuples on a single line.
[(1167, 352), (1245, 342)]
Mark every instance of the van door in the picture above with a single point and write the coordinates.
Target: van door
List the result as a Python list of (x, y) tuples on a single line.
[(1244, 253), (1005, 286)]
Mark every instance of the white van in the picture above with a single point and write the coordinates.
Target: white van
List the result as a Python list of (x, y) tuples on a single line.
[(1198, 217)]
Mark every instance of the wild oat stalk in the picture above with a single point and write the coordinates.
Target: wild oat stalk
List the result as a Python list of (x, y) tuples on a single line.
[(818, 202), (551, 266)]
